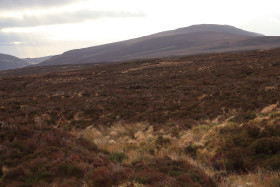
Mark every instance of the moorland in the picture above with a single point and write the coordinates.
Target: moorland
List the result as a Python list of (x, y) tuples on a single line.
[(201, 120)]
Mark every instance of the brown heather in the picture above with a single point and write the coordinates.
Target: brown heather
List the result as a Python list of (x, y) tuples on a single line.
[(204, 120)]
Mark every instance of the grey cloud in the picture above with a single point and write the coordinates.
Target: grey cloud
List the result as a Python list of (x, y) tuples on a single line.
[(8, 38), (31, 39), (18, 4), (62, 18)]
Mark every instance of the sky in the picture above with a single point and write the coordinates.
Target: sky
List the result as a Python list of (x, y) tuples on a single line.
[(36, 28)]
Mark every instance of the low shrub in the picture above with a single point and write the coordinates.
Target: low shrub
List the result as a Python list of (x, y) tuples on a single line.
[(118, 157), (14, 173), (245, 147), (253, 131), (249, 116), (35, 178), (266, 146), (100, 177), (87, 144), (235, 161), (191, 150), (1, 171), (148, 177), (70, 170), (161, 141), (167, 172), (273, 162)]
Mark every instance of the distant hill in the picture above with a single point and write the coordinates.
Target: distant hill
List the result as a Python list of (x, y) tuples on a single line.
[(36, 60), (196, 39), (208, 28), (10, 62)]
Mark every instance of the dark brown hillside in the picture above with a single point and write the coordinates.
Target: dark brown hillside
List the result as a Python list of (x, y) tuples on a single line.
[(190, 121), (157, 91)]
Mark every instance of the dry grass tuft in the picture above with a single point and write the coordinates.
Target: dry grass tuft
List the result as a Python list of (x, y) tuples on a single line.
[(198, 145), (261, 178), (269, 108)]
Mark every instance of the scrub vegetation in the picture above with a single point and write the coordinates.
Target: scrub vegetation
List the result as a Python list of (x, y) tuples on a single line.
[(204, 120)]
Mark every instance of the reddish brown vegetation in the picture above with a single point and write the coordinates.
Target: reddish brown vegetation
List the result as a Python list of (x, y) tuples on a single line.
[(33, 155), (37, 110), (159, 92)]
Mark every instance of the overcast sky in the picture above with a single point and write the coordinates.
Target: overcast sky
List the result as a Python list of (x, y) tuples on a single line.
[(34, 28)]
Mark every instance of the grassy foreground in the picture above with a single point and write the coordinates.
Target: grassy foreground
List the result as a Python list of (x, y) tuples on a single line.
[(229, 152), (215, 153)]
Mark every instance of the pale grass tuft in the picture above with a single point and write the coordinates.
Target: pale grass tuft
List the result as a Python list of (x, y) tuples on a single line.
[(150, 130), (132, 144), (138, 142), (270, 88), (113, 134), (126, 184), (113, 148), (259, 119), (201, 97), (186, 139), (133, 156), (261, 178), (89, 133), (101, 143), (140, 136), (112, 142), (182, 157), (118, 128), (5, 170), (269, 108)]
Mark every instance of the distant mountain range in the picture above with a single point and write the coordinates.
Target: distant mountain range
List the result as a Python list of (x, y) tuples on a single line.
[(36, 60), (196, 39), (8, 62), (11, 62)]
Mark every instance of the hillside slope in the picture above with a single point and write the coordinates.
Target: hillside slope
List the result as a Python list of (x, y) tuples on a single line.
[(185, 41), (187, 88), (11, 62), (202, 120)]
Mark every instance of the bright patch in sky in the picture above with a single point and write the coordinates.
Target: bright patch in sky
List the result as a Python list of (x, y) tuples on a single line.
[(33, 28)]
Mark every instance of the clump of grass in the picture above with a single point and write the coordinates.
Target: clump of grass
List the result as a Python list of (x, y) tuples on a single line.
[(218, 146), (70, 170), (260, 178), (249, 116), (192, 150), (118, 157)]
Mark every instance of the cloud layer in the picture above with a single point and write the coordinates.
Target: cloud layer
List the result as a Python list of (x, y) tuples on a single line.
[(23, 39), (18, 4), (61, 18)]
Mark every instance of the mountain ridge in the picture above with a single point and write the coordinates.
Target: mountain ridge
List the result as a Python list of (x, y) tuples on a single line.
[(196, 39), (210, 27), (36, 60), (11, 62)]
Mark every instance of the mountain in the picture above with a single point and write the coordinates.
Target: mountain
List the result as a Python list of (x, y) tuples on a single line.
[(36, 60), (196, 39), (208, 28), (11, 62)]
